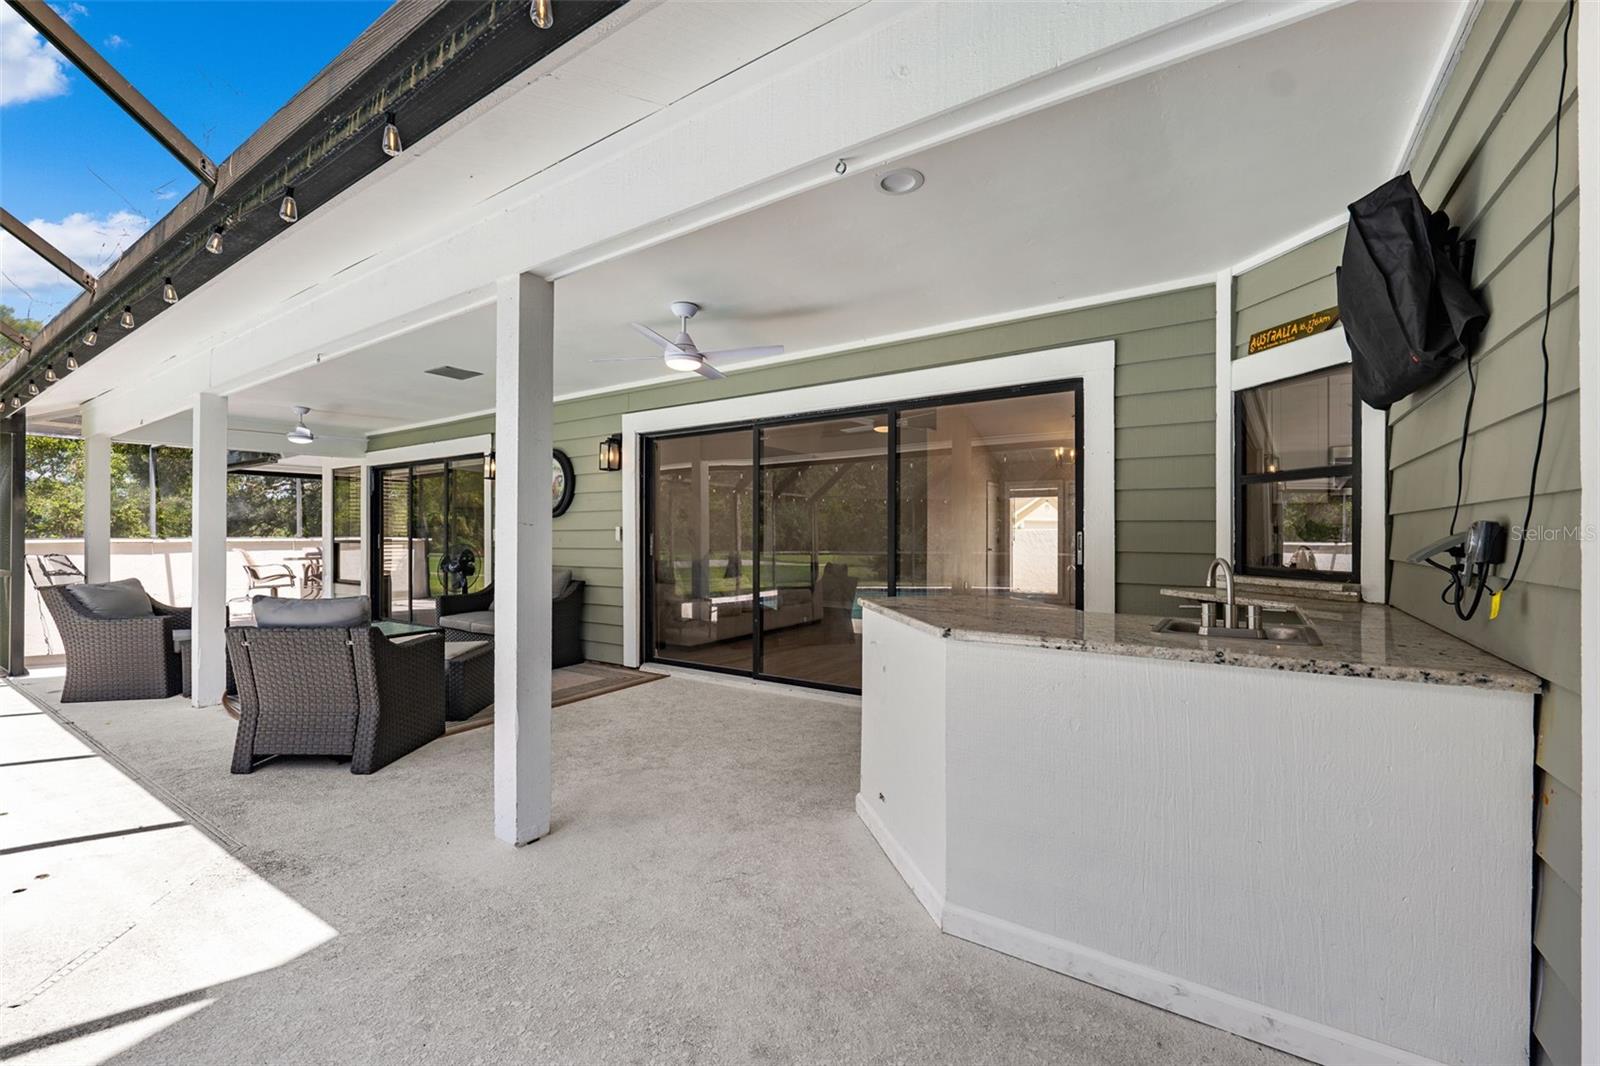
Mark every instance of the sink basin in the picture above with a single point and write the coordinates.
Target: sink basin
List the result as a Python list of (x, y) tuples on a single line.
[(1270, 633)]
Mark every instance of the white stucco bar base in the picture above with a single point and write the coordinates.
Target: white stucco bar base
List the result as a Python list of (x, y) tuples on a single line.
[(1334, 866)]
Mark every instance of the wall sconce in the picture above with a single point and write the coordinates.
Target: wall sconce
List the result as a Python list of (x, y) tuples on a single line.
[(488, 467), (611, 452)]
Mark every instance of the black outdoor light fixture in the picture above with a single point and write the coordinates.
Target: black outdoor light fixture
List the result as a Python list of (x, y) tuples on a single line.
[(611, 452), (488, 467)]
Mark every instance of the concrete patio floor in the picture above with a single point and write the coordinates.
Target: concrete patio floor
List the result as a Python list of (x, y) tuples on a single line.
[(706, 894)]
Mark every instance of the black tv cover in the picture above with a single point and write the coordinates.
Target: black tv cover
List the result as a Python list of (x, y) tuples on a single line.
[(1407, 314)]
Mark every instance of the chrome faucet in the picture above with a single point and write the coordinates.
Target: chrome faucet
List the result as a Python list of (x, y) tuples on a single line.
[(1230, 613)]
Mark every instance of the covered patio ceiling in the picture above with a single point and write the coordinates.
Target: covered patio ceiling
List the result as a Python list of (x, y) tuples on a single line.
[(1166, 177)]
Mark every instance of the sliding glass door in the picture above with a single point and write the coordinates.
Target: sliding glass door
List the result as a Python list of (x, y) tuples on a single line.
[(762, 539), (431, 522)]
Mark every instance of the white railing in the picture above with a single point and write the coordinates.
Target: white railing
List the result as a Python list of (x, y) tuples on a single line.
[(163, 567)]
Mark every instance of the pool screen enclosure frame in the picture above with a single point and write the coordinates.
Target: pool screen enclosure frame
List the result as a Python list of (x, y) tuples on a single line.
[(1071, 389)]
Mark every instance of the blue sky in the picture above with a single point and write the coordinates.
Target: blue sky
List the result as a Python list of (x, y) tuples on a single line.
[(82, 173)]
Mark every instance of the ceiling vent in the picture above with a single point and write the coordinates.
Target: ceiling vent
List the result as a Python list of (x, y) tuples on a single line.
[(455, 373)]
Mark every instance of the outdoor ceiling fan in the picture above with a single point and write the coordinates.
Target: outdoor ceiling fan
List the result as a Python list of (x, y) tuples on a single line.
[(683, 354)]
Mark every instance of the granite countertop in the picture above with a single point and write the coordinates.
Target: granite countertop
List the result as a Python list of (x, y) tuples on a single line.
[(1358, 640)]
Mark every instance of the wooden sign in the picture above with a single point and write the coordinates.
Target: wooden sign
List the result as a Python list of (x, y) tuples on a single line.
[(1313, 323)]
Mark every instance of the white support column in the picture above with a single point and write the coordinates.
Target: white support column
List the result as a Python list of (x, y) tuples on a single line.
[(209, 558), (97, 508), (1224, 409), (328, 545), (524, 394)]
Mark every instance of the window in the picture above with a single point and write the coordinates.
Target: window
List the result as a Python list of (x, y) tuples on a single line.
[(347, 525), (1297, 493)]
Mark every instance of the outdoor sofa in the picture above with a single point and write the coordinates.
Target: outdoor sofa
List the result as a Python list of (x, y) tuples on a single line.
[(470, 617)]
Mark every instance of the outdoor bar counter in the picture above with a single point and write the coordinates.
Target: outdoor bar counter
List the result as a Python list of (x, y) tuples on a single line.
[(1326, 849)]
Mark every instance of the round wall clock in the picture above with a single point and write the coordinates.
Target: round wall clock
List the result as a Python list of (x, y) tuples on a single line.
[(561, 482)]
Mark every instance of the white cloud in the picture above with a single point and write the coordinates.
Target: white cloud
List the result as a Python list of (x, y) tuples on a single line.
[(116, 40), (30, 69), (91, 241)]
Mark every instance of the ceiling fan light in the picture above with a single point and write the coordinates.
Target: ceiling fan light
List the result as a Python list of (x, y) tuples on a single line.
[(688, 362), (300, 434)]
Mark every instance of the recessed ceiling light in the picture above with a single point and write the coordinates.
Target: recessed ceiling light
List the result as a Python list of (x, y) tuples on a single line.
[(899, 182)]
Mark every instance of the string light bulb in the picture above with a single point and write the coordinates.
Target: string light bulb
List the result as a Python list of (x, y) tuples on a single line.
[(543, 13), (91, 338), (214, 242), (72, 361), (289, 210), (33, 388), (169, 291), (50, 373), (391, 137), (126, 318), (16, 401)]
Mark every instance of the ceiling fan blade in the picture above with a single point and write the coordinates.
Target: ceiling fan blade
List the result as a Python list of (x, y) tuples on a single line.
[(628, 359), (655, 337), (754, 352), (706, 370)]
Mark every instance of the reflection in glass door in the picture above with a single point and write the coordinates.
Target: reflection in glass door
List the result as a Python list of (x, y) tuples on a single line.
[(702, 602), (432, 521), (824, 544)]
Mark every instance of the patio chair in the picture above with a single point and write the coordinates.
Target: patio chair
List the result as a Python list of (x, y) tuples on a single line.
[(314, 573), (269, 576), (117, 640), (315, 678), (471, 617)]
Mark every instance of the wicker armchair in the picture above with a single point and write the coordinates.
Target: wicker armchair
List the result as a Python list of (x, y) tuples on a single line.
[(342, 692), (116, 658)]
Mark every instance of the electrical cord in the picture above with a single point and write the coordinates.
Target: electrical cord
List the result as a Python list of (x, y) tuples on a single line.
[(1549, 302)]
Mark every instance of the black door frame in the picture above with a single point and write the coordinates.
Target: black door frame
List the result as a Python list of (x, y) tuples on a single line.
[(892, 411)]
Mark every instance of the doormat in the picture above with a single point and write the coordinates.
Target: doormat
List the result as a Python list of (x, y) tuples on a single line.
[(570, 684)]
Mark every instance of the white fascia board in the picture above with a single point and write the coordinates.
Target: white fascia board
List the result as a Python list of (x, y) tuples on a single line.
[(791, 116)]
